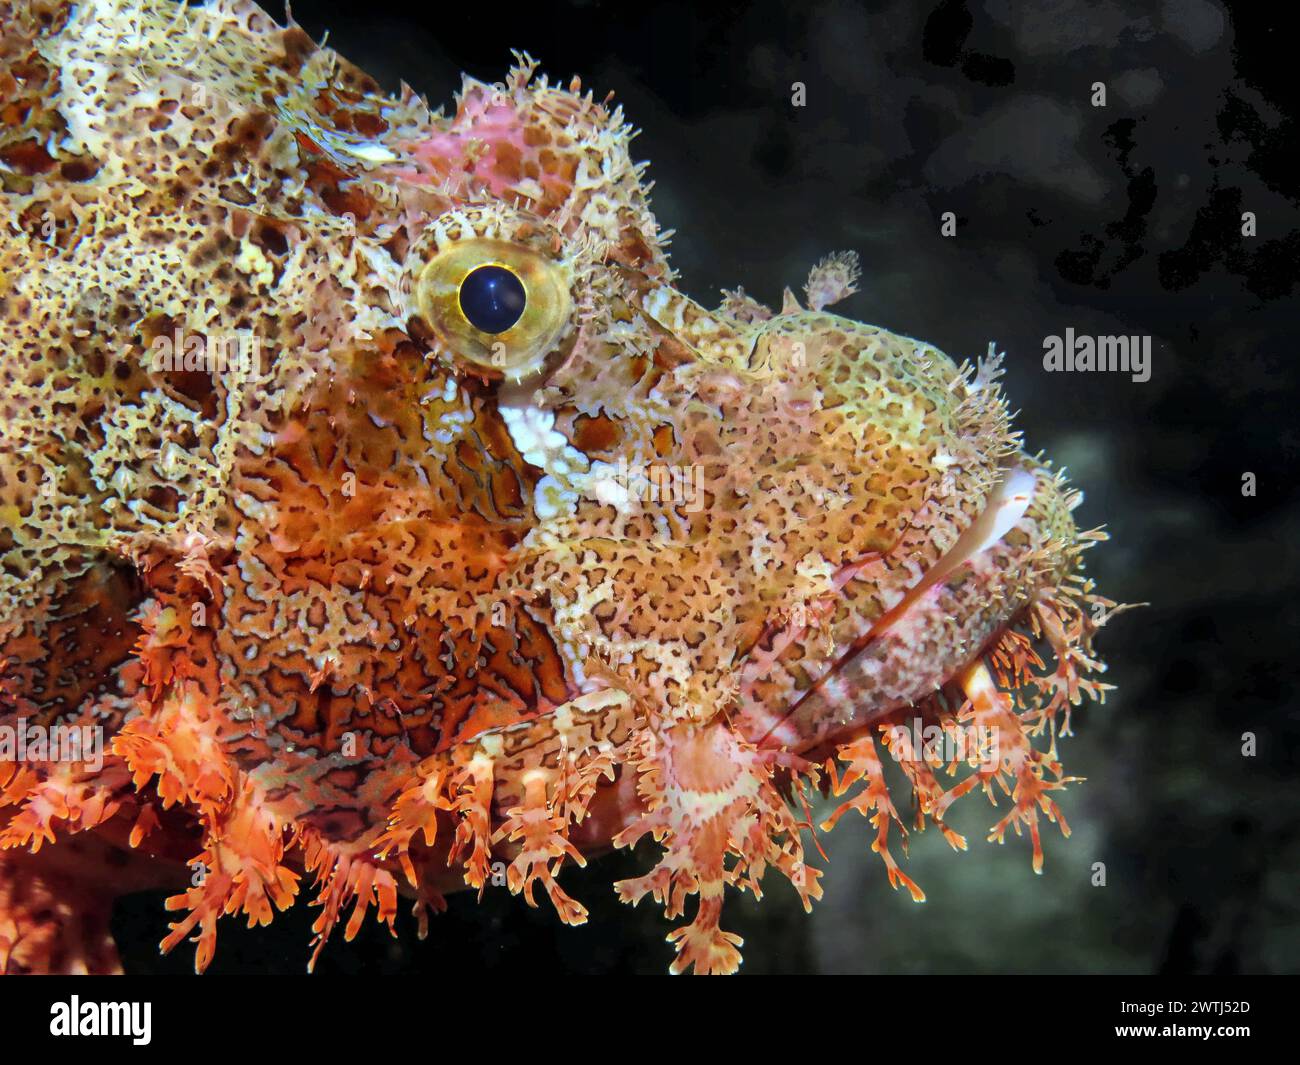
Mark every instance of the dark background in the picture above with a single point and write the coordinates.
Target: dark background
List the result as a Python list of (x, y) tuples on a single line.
[(1117, 220)]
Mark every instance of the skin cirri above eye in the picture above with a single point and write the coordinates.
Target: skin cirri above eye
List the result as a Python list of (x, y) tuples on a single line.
[(499, 308)]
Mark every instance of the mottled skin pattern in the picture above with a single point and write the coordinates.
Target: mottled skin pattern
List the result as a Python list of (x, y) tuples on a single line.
[(389, 601)]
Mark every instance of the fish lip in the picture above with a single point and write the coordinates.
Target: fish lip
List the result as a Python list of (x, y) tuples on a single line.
[(1004, 507)]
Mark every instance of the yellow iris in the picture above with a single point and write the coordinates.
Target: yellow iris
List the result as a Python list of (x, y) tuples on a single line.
[(514, 353)]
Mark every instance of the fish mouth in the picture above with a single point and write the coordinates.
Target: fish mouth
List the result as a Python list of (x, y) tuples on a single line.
[(1004, 508)]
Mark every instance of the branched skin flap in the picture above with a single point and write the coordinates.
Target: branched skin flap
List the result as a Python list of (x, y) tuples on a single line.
[(372, 586)]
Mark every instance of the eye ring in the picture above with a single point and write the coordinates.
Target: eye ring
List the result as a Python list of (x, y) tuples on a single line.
[(511, 317)]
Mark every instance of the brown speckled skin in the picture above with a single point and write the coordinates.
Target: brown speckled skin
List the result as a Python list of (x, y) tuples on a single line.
[(383, 605)]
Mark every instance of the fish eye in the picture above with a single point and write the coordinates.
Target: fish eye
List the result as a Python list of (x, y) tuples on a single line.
[(499, 308)]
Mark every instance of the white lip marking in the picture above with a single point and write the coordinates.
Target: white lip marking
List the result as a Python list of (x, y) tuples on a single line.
[(1005, 506)]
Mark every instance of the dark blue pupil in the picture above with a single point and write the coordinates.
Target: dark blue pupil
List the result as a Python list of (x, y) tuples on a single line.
[(492, 298)]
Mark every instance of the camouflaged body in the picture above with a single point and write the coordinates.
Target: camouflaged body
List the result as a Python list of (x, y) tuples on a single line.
[(352, 605)]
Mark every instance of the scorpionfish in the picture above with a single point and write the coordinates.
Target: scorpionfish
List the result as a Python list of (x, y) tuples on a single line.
[(381, 520)]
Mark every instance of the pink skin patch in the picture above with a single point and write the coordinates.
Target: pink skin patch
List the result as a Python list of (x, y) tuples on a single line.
[(474, 144)]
